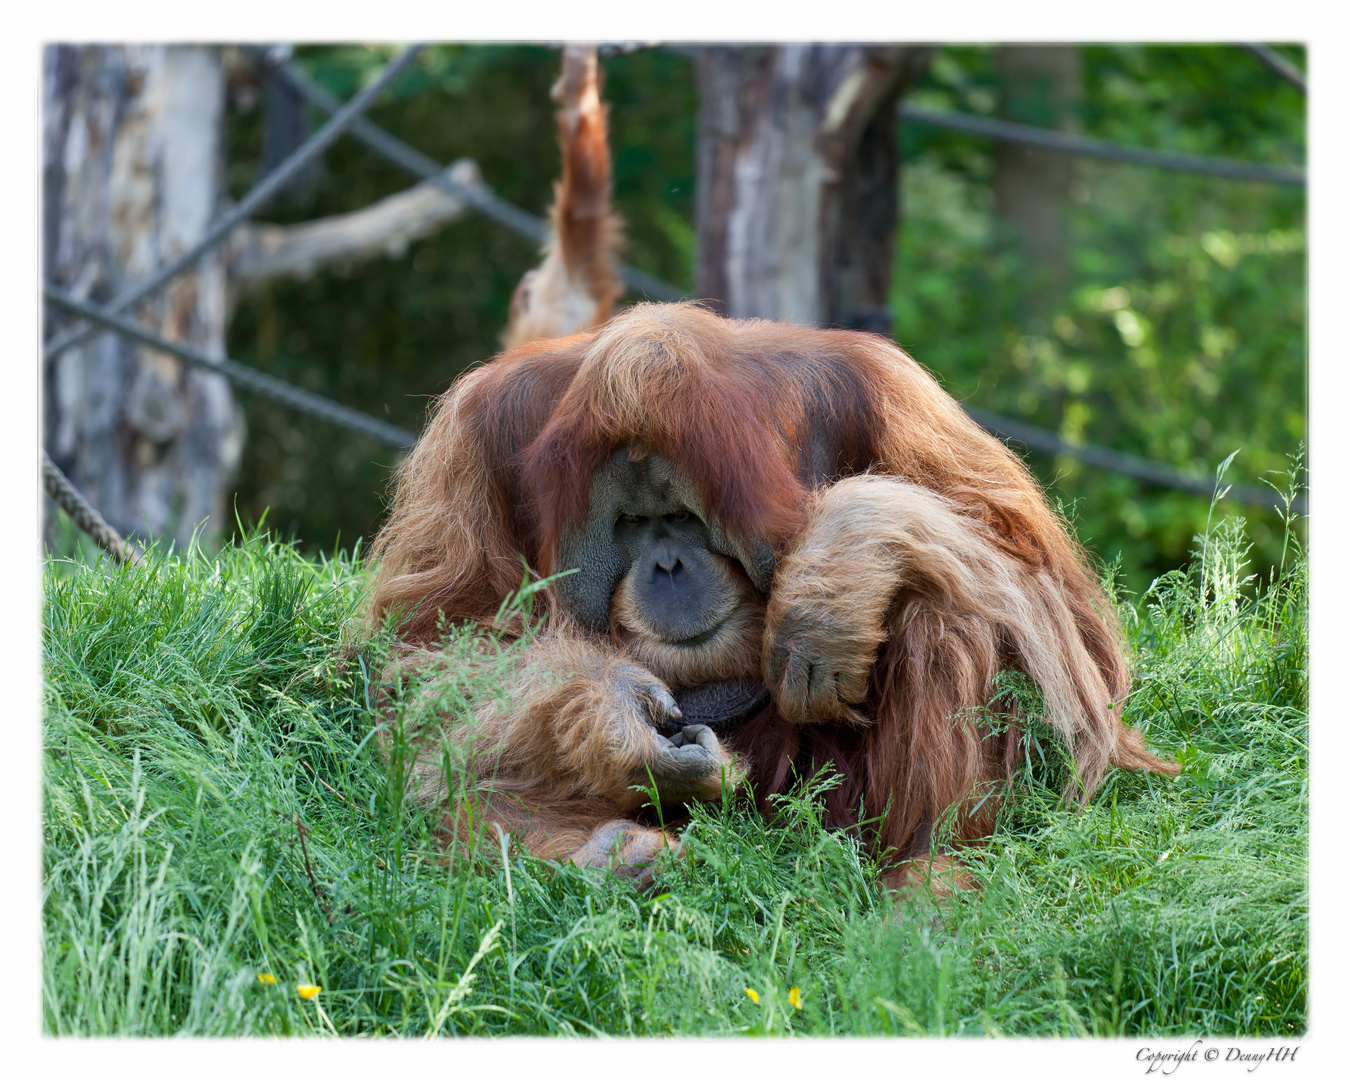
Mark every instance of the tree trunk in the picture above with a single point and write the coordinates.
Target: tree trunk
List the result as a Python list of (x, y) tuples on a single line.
[(798, 194), (132, 176), (1040, 85)]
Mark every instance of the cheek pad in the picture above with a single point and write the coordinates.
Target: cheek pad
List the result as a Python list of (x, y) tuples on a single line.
[(598, 564)]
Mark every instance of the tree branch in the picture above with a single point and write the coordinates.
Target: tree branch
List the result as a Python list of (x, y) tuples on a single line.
[(261, 253)]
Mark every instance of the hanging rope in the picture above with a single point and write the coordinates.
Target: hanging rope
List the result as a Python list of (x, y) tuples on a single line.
[(81, 510)]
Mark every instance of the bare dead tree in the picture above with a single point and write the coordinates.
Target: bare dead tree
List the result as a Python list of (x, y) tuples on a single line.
[(133, 172), (798, 170)]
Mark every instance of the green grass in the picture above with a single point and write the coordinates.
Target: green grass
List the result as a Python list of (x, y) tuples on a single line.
[(214, 808)]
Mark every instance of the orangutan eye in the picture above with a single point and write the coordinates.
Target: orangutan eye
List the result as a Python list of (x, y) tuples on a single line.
[(629, 519), (679, 515)]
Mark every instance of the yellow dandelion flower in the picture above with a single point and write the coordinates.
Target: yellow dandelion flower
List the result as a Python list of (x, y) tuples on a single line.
[(307, 990), (795, 997), (266, 978), (752, 995)]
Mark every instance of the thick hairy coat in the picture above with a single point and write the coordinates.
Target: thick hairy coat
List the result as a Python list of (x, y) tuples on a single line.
[(891, 558), (575, 286)]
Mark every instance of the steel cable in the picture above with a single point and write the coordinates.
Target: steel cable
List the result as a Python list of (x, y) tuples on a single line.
[(1150, 472), (247, 377), (1066, 143), (342, 118), (1278, 64), (482, 199), (326, 409)]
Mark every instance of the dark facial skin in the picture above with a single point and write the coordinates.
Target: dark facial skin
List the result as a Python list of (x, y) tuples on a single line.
[(667, 551), (647, 525), (646, 520)]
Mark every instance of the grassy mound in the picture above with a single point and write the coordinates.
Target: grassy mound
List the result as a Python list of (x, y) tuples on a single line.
[(219, 830)]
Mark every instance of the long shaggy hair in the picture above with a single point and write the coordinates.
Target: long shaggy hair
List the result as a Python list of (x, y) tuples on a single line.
[(839, 452), (575, 287)]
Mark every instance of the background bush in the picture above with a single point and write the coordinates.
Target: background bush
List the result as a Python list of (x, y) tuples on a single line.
[(1182, 337)]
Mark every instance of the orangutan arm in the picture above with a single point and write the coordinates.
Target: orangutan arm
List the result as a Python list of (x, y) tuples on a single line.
[(569, 716), (873, 539), (826, 612)]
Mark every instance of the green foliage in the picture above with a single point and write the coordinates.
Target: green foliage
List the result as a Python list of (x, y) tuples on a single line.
[(389, 336), (1182, 336), (215, 809)]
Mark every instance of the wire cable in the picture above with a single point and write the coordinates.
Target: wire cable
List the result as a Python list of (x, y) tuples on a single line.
[(1066, 143), (482, 199), (270, 185), (353, 419), (1114, 461), (1277, 63), (247, 377)]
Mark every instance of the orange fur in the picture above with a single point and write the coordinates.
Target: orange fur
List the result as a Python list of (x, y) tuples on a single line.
[(917, 558), (555, 757), (575, 287)]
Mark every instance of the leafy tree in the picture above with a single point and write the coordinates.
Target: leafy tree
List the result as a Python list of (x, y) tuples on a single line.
[(1181, 335)]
